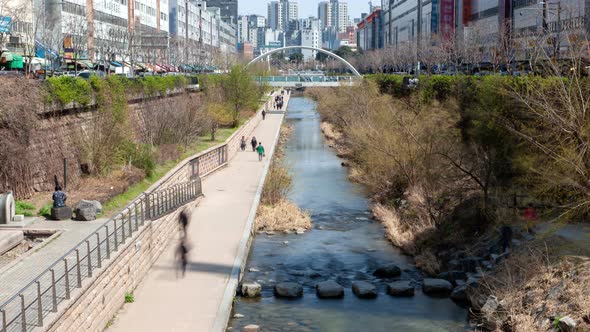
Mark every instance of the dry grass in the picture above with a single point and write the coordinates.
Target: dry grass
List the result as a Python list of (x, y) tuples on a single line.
[(428, 262), (284, 216), (537, 283), (329, 132)]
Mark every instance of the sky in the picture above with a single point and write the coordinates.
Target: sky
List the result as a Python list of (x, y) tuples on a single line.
[(306, 7)]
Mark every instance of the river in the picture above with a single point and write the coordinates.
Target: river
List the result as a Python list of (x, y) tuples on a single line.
[(344, 245)]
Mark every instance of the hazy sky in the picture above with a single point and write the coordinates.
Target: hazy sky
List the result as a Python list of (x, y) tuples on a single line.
[(306, 7)]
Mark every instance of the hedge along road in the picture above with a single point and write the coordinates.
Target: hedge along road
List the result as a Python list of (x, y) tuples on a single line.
[(218, 226)]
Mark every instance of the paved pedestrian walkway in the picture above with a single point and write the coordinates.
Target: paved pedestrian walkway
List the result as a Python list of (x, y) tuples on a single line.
[(15, 275), (164, 302)]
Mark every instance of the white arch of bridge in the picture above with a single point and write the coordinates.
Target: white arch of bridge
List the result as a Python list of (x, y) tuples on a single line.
[(321, 50)]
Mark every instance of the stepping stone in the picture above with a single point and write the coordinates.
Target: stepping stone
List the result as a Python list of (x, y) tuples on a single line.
[(437, 287), (364, 290), (288, 290), (401, 288), (329, 289), (388, 271)]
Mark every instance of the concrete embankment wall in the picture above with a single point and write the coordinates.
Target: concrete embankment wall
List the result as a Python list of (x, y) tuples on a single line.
[(100, 297)]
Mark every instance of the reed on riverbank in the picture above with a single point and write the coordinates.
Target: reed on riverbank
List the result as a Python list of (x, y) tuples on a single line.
[(276, 213)]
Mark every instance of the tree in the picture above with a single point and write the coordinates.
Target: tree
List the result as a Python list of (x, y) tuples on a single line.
[(219, 115), (553, 117), (344, 52), (321, 57), (241, 92), (296, 57)]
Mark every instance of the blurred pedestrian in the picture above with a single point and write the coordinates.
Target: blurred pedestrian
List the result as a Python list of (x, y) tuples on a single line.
[(181, 254), (263, 115), (243, 143), (183, 221), (254, 143)]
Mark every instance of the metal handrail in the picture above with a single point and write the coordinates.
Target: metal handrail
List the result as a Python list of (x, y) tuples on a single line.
[(32, 310)]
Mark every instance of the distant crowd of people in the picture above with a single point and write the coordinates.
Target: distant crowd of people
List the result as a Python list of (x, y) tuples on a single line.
[(279, 101)]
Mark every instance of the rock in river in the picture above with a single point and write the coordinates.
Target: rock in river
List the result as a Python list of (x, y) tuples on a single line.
[(400, 288), (251, 289), (329, 289), (437, 287), (364, 290), (288, 289), (251, 328), (388, 271)]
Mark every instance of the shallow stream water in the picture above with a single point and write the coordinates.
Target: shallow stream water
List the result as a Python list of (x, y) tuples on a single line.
[(344, 245)]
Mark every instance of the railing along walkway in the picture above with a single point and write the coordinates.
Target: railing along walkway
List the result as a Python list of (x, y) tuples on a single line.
[(27, 309)]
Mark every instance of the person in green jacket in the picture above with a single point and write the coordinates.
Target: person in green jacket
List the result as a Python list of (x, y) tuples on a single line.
[(260, 150)]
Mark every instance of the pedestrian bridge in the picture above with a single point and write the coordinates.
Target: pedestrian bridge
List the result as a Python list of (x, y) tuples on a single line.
[(303, 81)]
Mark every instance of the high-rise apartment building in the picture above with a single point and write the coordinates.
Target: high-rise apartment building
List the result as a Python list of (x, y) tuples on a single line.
[(229, 9), (274, 15), (340, 15), (325, 14), (310, 36), (281, 12), (333, 13)]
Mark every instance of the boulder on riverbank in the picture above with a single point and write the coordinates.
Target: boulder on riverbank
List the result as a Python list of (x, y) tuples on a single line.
[(388, 271), (288, 290), (459, 293), (364, 290), (329, 289), (401, 288), (437, 287)]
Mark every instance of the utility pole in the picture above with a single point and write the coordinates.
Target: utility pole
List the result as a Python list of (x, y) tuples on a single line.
[(186, 17)]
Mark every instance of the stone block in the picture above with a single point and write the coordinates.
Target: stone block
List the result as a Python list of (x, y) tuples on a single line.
[(83, 204), (18, 218), (86, 214), (61, 213), (9, 239)]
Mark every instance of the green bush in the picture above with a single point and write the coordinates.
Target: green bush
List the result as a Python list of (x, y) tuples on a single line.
[(24, 208), (141, 156), (45, 210), (439, 87), (66, 89)]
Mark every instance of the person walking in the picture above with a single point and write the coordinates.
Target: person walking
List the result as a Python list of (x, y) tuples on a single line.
[(254, 143), (263, 115), (243, 143), (182, 250), (181, 254), (183, 221), (260, 150)]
